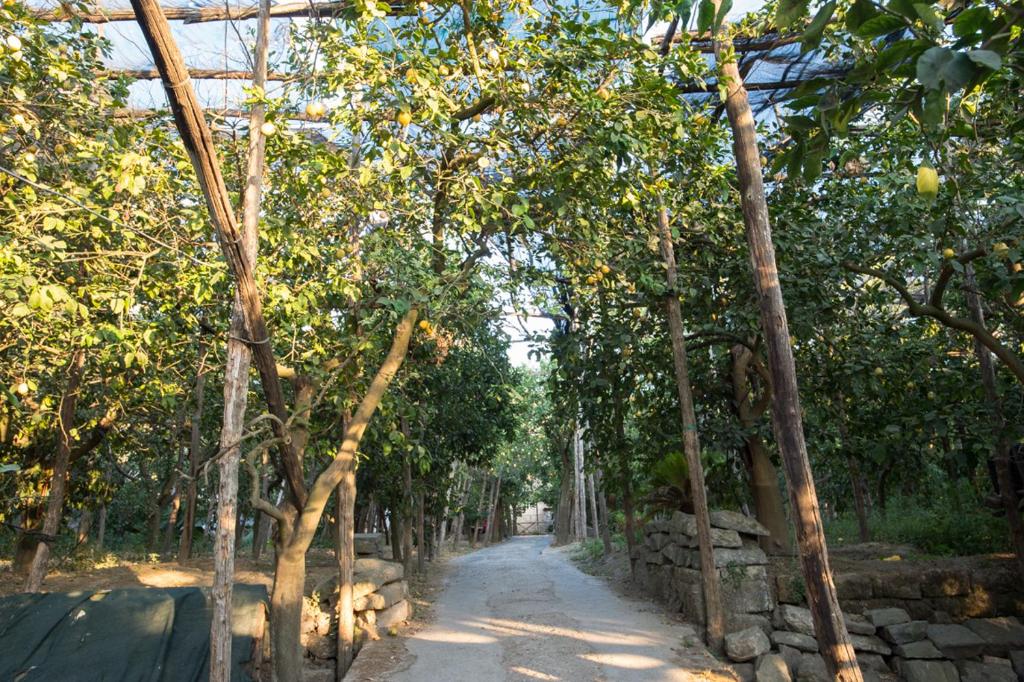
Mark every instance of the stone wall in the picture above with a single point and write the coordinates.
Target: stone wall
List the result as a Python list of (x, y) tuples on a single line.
[(667, 565), (901, 622)]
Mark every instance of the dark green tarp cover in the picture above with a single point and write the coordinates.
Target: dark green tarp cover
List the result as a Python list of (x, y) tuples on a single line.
[(156, 635)]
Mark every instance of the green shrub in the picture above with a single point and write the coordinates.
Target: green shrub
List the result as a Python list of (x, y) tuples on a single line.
[(933, 530)]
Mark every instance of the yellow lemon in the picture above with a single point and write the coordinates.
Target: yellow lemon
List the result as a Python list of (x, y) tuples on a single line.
[(927, 182)]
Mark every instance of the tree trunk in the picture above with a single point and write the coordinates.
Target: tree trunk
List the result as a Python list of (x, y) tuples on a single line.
[(492, 512), (421, 537), (579, 486), (1004, 439), (563, 514), (286, 611), (346, 565), (194, 446), (480, 510), (84, 526), (764, 481), (691, 442), (261, 524), (397, 537), (605, 523), (101, 529), (407, 514), (821, 593), (593, 504), (58, 482)]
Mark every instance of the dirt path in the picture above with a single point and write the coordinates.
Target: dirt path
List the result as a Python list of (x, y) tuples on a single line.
[(522, 611)]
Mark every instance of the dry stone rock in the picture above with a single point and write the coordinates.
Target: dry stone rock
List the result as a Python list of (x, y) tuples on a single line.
[(746, 645), (373, 601), (896, 586), (400, 612), (1017, 659), (795, 640), (744, 556), (858, 625), (794, 619), (1001, 635), (853, 586), (812, 669), (745, 589), (741, 523), (902, 633), (792, 658), (676, 555), (922, 649), (685, 524), (888, 616), (734, 622), (369, 544), (869, 643), (942, 582), (719, 538), (973, 671), (744, 672), (772, 668), (874, 662), (927, 671), (955, 641)]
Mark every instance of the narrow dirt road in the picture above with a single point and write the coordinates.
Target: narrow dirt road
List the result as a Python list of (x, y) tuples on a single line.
[(522, 611)]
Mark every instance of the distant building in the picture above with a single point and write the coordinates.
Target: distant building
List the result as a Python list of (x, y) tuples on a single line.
[(534, 520)]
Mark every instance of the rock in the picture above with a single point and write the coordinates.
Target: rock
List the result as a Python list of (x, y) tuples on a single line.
[(973, 671), (1017, 659), (402, 611), (790, 589), (744, 556), (996, 660), (891, 585), (792, 658), (746, 645), (772, 668), (744, 672), (675, 554), (812, 669), (369, 544), (889, 616), (942, 582), (794, 619), (858, 625), (902, 633), (394, 592), (795, 640), (741, 523), (955, 641), (870, 643), (315, 673), (1001, 635), (745, 589), (372, 602), (656, 558), (686, 524), (322, 647), (719, 538), (927, 671), (734, 622), (922, 649), (853, 586), (874, 662)]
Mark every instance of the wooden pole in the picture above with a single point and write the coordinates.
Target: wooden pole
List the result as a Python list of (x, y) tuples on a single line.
[(236, 384), (691, 442), (833, 640)]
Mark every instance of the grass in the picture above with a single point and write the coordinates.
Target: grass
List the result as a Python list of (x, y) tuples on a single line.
[(937, 531)]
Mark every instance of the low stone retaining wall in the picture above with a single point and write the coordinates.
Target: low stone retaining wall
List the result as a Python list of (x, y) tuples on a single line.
[(380, 600), (936, 625)]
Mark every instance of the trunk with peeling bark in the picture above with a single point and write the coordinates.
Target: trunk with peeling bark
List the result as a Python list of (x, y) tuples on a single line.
[(421, 534), (58, 482), (821, 593), (602, 504), (592, 496), (691, 442), (346, 565), (563, 514), (194, 445), (764, 480)]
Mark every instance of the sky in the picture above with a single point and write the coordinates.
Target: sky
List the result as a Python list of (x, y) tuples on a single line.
[(228, 45)]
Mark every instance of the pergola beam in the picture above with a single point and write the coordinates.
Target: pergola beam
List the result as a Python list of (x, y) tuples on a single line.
[(199, 15)]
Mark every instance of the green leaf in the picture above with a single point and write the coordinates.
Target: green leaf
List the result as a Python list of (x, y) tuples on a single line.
[(789, 11), (812, 36), (986, 58), (971, 21), (705, 16), (723, 9), (881, 25), (861, 11), (929, 16), (940, 66)]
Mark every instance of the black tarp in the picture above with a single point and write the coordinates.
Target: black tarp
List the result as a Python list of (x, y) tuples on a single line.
[(152, 635)]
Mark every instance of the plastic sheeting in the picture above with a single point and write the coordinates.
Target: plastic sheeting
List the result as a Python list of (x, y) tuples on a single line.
[(152, 635)]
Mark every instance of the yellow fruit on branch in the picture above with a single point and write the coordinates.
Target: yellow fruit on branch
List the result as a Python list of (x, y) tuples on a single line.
[(603, 94), (411, 75), (268, 129), (424, 325), (315, 109), (22, 388), (948, 253), (927, 182), (404, 118), (1000, 249)]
